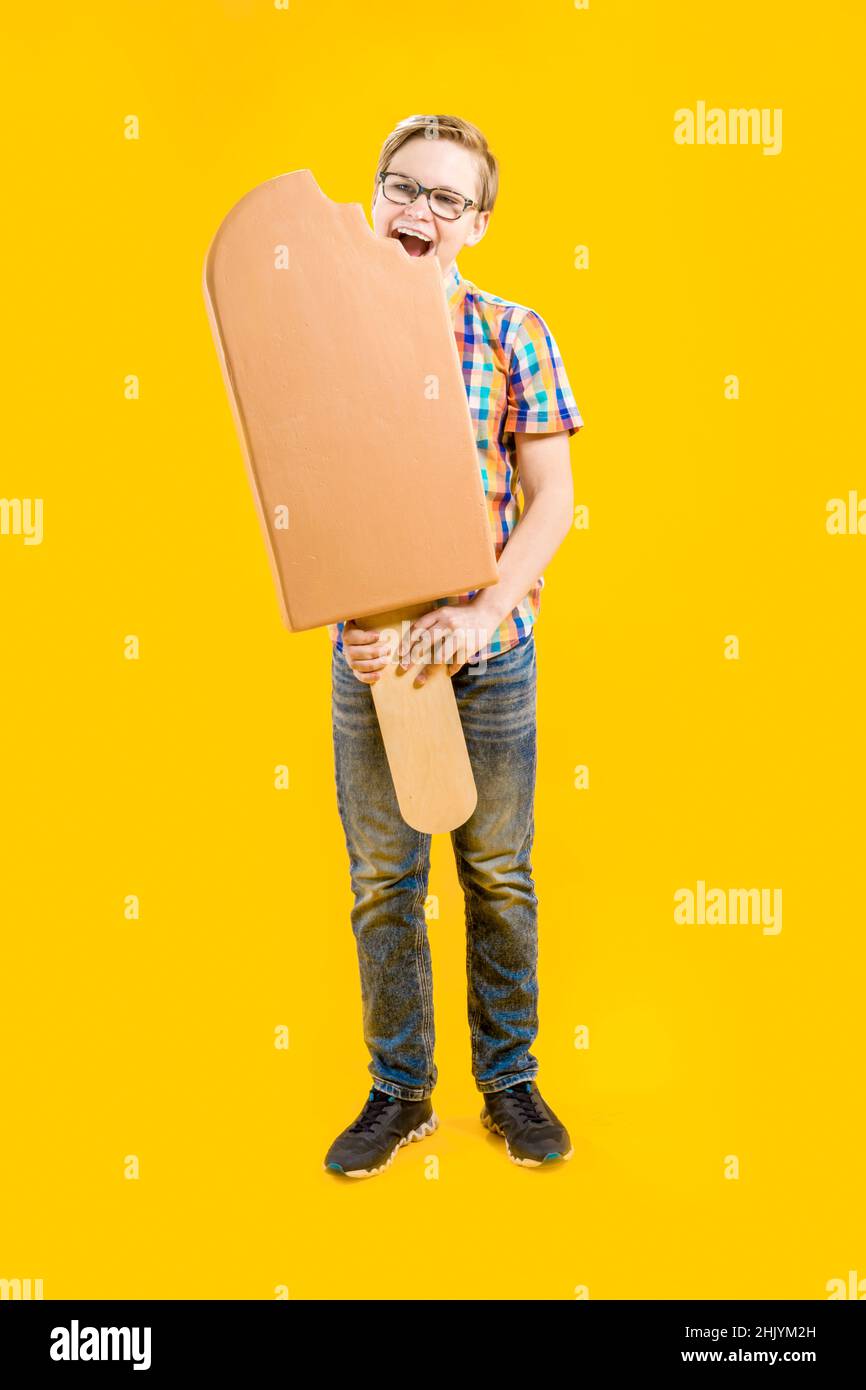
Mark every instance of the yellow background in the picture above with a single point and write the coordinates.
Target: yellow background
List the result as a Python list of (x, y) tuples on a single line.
[(155, 777)]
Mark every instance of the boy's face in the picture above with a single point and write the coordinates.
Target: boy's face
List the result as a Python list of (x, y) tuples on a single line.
[(438, 163)]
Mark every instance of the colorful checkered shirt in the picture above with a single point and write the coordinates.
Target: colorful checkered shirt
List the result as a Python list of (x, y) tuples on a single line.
[(515, 383)]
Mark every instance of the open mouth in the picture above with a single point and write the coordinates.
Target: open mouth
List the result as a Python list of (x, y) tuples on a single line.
[(413, 245)]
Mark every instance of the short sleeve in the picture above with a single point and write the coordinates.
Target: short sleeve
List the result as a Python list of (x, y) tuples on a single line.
[(540, 398)]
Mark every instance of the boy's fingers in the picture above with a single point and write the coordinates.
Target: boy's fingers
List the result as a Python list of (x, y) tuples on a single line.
[(366, 671), (418, 650), (364, 652), (421, 678), (424, 655), (414, 637)]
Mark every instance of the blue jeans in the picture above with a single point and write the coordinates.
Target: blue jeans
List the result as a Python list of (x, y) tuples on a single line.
[(389, 868)]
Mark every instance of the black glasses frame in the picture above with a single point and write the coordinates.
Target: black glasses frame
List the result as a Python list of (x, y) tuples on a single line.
[(452, 193)]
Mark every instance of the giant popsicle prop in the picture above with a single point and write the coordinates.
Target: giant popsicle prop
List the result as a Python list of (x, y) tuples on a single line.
[(342, 371)]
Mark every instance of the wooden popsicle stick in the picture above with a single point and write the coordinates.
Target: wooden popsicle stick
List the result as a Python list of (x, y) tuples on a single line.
[(423, 736)]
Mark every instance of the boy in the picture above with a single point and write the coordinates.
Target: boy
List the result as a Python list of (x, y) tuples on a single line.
[(435, 187)]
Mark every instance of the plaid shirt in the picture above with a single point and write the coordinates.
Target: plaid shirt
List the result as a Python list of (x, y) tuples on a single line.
[(515, 383)]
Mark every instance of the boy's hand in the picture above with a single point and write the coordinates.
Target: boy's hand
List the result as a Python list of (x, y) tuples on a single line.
[(366, 654), (451, 634)]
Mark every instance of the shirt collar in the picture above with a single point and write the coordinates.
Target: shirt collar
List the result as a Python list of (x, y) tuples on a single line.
[(454, 287)]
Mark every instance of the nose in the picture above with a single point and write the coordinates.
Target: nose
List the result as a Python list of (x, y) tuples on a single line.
[(416, 199)]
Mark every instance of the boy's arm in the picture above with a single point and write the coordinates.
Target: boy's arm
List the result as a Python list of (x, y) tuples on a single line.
[(544, 468)]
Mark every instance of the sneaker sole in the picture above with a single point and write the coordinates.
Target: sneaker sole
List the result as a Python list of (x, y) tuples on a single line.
[(415, 1134), (554, 1157)]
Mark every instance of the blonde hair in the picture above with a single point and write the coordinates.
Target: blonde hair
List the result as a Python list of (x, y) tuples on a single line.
[(446, 128)]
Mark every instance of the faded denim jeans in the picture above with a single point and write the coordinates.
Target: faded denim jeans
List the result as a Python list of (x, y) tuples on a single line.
[(389, 866)]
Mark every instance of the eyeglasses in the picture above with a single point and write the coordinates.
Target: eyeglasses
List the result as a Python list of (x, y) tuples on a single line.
[(444, 202)]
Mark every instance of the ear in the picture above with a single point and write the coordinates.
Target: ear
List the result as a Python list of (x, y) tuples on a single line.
[(481, 221)]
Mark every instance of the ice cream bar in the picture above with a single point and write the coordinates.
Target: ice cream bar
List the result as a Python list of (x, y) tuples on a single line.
[(341, 366)]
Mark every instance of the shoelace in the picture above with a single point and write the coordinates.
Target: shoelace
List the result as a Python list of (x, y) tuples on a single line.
[(525, 1098), (374, 1110)]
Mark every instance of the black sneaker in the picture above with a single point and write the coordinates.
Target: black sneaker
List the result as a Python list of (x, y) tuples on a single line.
[(384, 1125), (533, 1135)]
